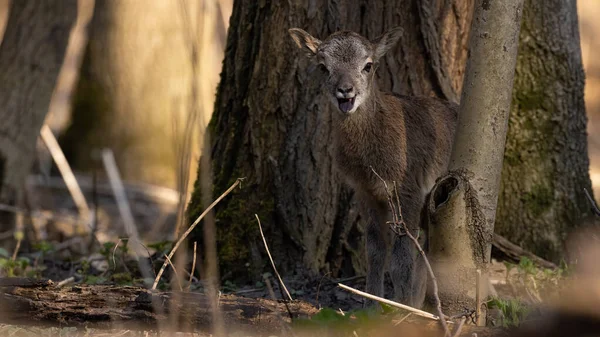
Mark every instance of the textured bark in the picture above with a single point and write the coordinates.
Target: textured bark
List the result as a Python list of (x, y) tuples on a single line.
[(31, 54), (457, 242), (467, 196), (546, 159), (272, 126)]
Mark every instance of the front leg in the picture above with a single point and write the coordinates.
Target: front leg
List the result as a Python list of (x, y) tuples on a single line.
[(407, 267), (377, 254)]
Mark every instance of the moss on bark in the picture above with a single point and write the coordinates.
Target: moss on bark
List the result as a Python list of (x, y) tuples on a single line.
[(237, 228), (271, 126), (546, 162)]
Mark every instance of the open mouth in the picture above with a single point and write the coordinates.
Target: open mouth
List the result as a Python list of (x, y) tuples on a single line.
[(346, 104)]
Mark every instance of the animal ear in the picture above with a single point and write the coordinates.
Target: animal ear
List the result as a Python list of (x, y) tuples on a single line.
[(305, 41), (386, 41)]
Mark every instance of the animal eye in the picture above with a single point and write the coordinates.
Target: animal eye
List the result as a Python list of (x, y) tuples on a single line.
[(323, 68), (368, 67)]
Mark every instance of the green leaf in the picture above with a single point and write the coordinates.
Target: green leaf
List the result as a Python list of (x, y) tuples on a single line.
[(44, 246), (388, 309), (4, 253), (527, 266), (328, 315)]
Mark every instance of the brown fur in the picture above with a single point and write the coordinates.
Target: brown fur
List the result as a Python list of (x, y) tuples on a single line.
[(405, 139)]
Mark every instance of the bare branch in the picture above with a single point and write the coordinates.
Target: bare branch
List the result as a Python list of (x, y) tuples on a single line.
[(438, 303), (66, 172), (271, 259), (118, 188), (193, 267), (174, 271), (478, 298), (397, 221), (459, 327), (516, 253), (591, 199), (284, 326), (65, 281), (389, 302), (19, 234), (189, 230)]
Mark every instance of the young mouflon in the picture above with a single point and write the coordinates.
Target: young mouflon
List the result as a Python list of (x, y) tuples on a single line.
[(404, 139)]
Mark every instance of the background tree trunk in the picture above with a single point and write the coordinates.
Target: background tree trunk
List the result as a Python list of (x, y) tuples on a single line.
[(31, 54), (136, 86), (546, 158), (272, 126)]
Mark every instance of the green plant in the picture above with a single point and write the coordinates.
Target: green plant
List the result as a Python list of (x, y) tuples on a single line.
[(122, 278), (162, 247), (4, 253), (92, 279), (12, 268), (107, 249), (85, 267), (43, 247), (229, 286), (338, 323), (527, 280), (513, 311)]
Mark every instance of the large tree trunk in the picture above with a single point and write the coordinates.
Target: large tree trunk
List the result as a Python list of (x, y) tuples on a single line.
[(272, 126), (31, 55), (143, 91), (546, 160)]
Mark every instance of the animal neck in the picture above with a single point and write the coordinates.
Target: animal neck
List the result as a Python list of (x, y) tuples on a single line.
[(365, 117)]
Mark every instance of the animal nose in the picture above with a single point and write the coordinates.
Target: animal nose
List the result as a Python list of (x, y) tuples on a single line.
[(345, 89)]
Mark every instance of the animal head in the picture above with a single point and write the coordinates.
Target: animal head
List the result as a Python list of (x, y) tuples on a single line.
[(348, 61)]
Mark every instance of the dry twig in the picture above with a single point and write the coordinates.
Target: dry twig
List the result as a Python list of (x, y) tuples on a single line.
[(402, 319), (516, 253), (272, 294), (397, 221), (281, 284), (65, 281), (591, 199), (175, 272), (189, 230), (66, 172), (459, 327), (193, 268), (19, 234), (116, 183), (478, 298), (389, 302)]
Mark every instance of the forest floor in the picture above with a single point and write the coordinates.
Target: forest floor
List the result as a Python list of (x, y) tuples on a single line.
[(97, 289)]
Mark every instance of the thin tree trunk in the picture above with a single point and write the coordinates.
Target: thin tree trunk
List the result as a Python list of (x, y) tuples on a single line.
[(466, 198), (546, 159), (31, 54), (272, 126)]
